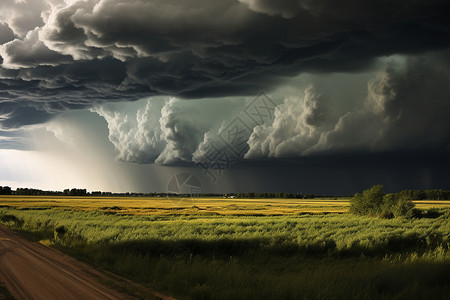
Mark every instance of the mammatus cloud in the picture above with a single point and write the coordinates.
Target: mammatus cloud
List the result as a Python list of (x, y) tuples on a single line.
[(406, 108), (61, 55)]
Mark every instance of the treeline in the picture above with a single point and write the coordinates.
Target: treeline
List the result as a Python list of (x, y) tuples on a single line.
[(436, 194), (5, 190), (37, 192), (83, 192), (375, 203), (425, 194), (74, 192), (272, 195)]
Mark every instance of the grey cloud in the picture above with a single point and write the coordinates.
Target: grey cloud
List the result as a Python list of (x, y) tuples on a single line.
[(13, 140), (81, 53), (136, 135), (406, 109), (29, 52), (6, 33), (298, 124), (165, 131), (23, 16)]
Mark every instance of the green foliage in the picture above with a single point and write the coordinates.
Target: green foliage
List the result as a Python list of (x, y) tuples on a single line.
[(403, 208), (373, 202), (251, 257), (11, 220), (369, 202)]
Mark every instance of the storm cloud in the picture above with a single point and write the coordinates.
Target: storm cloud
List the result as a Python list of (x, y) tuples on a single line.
[(405, 107), (62, 55)]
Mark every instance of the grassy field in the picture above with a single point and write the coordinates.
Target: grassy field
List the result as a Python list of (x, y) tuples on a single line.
[(247, 249), (189, 205), (171, 206)]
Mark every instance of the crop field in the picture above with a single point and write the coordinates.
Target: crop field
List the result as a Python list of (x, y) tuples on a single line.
[(216, 248), (189, 205)]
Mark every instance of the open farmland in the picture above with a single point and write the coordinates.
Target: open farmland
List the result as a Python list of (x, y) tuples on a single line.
[(156, 206), (171, 206), (219, 248)]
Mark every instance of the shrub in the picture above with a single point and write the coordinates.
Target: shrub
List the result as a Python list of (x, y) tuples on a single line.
[(373, 202), (403, 208), (369, 202)]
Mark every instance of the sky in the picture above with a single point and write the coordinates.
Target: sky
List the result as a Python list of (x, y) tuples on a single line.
[(301, 96)]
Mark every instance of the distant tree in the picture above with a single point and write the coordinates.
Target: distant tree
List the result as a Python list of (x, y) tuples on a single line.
[(5, 190)]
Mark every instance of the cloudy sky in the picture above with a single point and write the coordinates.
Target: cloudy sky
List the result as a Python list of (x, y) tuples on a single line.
[(309, 96)]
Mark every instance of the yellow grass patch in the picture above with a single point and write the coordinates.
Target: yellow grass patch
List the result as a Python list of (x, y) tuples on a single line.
[(163, 205), (181, 206)]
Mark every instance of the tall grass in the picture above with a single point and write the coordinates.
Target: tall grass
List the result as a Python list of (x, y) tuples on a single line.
[(249, 257)]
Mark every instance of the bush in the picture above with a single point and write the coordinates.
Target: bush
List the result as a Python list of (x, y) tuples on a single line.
[(370, 202), (373, 202), (403, 208)]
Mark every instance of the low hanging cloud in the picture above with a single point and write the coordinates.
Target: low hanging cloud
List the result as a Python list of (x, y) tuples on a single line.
[(406, 108), (60, 55)]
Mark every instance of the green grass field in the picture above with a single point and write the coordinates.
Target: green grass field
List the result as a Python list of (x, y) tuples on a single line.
[(247, 248)]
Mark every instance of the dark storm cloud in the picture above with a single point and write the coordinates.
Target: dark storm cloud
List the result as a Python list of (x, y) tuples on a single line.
[(89, 51), (407, 108)]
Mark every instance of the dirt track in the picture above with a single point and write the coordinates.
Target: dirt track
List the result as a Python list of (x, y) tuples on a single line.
[(33, 271)]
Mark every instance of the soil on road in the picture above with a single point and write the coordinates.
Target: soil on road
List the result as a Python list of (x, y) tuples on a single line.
[(33, 271)]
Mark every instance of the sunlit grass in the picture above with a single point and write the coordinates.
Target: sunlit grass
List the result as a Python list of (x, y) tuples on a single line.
[(188, 205), (216, 248)]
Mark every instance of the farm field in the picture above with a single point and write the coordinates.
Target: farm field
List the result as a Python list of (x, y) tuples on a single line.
[(247, 248), (152, 206), (171, 206)]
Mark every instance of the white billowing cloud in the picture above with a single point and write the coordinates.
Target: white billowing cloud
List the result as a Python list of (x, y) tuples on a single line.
[(124, 29), (181, 133), (137, 135), (29, 52), (23, 16), (298, 124), (164, 131)]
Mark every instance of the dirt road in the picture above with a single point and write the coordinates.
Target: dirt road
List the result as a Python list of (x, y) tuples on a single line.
[(33, 271)]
